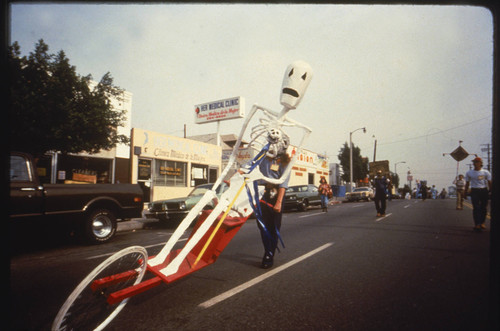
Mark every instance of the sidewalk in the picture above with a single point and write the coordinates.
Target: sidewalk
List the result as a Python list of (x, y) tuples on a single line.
[(135, 223)]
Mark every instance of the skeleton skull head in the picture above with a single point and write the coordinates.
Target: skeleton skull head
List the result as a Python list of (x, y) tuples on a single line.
[(278, 142), (295, 82), (274, 135)]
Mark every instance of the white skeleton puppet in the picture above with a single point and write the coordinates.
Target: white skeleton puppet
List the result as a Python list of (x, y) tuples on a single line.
[(232, 203)]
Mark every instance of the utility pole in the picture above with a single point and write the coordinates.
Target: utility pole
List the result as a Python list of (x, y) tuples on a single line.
[(351, 170), (487, 150)]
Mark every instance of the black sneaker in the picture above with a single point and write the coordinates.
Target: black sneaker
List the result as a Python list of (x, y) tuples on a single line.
[(267, 262)]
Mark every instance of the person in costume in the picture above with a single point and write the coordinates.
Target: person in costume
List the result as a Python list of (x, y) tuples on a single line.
[(271, 205)]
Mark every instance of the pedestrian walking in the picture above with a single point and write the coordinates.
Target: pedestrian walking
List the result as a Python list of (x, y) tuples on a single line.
[(460, 187), (479, 182), (380, 184), (423, 190), (325, 192), (434, 192), (442, 195)]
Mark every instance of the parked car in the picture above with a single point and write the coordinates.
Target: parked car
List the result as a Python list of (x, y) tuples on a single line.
[(90, 210), (300, 197), (396, 195), (173, 211), (360, 193)]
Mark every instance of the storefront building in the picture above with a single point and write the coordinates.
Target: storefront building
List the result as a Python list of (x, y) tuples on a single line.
[(309, 167), (111, 166), (169, 167)]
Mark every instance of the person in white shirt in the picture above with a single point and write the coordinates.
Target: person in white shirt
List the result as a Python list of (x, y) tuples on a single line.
[(479, 182)]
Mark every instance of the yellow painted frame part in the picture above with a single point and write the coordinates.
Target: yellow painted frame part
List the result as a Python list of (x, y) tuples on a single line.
[(218, 225)]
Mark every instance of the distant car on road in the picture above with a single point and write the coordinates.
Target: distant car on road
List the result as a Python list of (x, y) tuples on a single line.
[(360, 193), (173, 211), (300, 197)]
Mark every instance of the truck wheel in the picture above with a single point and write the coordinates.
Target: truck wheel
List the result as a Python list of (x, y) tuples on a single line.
[(100, 226)]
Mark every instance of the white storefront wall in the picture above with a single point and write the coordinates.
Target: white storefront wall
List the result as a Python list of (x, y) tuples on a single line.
[(176, 164), (309, 167)]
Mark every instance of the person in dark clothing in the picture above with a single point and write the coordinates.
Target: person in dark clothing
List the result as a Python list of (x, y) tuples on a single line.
[(380, 185), (272, 206), (423, 190)]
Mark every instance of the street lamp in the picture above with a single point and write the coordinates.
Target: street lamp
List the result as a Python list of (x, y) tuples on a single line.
[(395, 168), (350, 156)]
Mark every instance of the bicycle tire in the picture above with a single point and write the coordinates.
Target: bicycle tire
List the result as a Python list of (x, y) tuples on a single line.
[(84, 309)]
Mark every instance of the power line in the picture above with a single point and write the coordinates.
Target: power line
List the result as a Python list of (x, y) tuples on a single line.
[(435, 133)]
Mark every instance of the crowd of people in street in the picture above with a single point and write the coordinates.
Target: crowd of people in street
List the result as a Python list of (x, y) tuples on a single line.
[(423, 191), (476, 183)]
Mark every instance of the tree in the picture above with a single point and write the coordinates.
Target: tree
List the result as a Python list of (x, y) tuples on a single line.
[(359, 164), (395, 179), (52, 108)]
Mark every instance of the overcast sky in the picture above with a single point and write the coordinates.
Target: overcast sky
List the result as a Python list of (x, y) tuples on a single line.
[(419, 78)]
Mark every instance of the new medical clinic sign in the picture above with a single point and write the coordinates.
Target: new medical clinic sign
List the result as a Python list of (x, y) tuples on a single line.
[(220, 110)]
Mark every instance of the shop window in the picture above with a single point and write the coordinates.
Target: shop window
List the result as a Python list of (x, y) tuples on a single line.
[(170, 173), (44, 168), (75, 169), (199, 174)]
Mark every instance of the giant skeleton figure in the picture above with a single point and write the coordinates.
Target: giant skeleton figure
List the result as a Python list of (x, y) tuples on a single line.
[(269, 138)]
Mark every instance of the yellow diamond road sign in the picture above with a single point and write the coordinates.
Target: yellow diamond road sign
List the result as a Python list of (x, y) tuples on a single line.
[(459, 154)]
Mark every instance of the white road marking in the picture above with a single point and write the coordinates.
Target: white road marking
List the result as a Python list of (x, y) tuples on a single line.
[(406, 206), (381, 218), (309, 215), (250, 283)]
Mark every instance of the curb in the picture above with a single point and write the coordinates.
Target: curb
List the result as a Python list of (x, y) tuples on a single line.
[(140, 223), (134, 224)]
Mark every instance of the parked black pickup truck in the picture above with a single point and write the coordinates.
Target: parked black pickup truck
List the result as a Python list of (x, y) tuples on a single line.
[(90, 210)]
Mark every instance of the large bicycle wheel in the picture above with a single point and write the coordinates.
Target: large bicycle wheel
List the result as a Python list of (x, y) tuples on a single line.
[(87, 307)]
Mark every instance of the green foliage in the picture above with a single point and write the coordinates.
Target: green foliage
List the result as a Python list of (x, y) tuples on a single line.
[(394, 179), (359, 164), (52, 108)]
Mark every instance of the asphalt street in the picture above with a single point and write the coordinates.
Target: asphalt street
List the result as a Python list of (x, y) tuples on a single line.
[(421, 267)]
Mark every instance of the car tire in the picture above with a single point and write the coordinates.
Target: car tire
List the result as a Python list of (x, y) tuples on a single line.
[(99, 226), (303, 205)]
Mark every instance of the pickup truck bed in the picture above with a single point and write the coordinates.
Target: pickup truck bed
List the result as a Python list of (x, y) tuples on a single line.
[(91, 209)]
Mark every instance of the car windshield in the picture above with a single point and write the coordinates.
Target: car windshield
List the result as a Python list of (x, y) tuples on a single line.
[(293, 189), (200, 190)]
